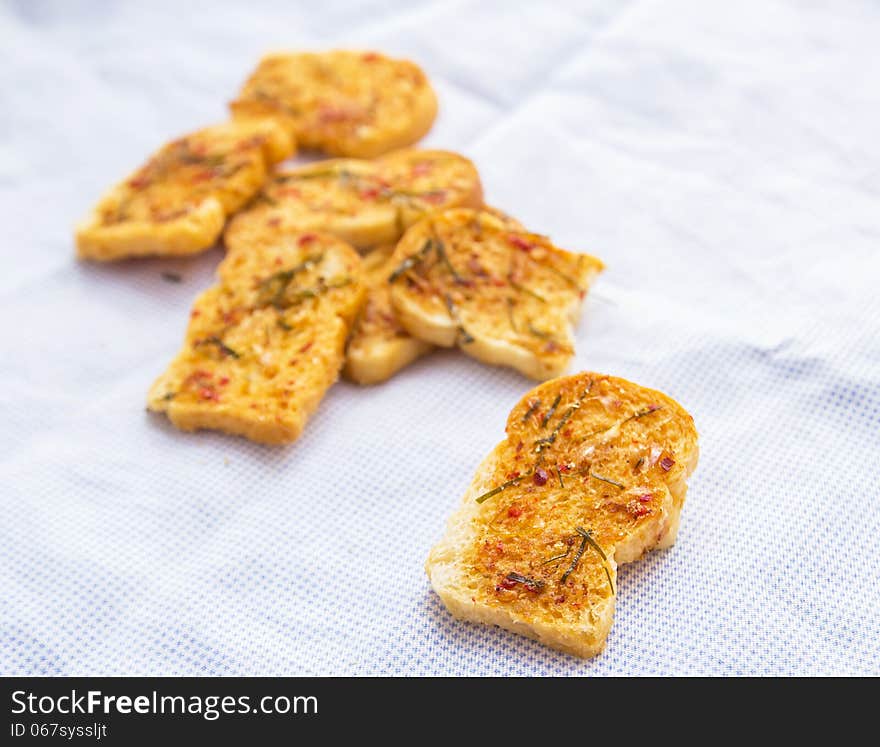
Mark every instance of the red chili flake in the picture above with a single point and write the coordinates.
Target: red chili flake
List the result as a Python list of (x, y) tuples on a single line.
[(551, 347), (292, 362), (499, 282), (541, 476), (512, 475), (194, 313), (435, 198), (208, 394), (203, 176), (274, 222), (519, 242), (306, 346), (224, 380), (582, 294), (519, 447), (646, 497), (567, 433), (514, 512), (199, 375), (499, 548), (564, 468), (370, 57), (507, 583), (306, 238), (422, 168), (371, 193), (290, 192), (279, 261), (666, 463), (560, 599), (139, 182), (653, 408)]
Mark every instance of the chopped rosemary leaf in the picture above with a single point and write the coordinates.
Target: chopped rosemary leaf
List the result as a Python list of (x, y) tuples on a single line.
[(284, 325), (575, 560), (539, 332), (412, 260), (509, 302), (549, 414), (222, 346), (588, 536), (172, 277), (465, 337), (559, 475), (526, 580), (562, 556), (444, 258), (265, 197), (502, 487), (272, 289), (523, 289), (168, 396), (638, 465), (609, 481), (532, 407)]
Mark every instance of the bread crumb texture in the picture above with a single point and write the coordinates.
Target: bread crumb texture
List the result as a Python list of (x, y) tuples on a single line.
[(265, 344), (592, 474), (367, 203), (178, 201), (345, 103), (503, 295)]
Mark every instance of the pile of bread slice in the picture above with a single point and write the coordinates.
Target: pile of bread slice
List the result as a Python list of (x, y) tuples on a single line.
[(361, 263)]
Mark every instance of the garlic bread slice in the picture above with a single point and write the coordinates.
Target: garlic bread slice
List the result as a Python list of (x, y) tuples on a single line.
[(379, 347), (265, 344), (345, 103), (366, 203), (592, 474), (503, 295), (177, 203)]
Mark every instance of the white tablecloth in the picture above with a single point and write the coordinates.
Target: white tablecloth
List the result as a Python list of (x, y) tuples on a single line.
[(722, 158)]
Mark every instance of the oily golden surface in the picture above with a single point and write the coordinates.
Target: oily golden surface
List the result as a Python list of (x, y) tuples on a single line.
[(345, 103), (502, 294), (177, 202), (264, 345), (379, 347), (367, 203), (584, 454)]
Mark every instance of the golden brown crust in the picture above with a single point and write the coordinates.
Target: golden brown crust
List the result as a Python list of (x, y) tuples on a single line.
[(591, 465), (366, 203), (177, 202), (345, 103), (501, 294), (265, 344), (379, 347)]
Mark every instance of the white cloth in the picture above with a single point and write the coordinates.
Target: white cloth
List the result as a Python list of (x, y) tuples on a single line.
[(720, 157)]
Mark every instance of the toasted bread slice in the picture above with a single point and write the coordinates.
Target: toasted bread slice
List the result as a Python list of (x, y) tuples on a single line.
[(503, 295), (265, 344), (379, 347), (177, 203), (359, 104), (592, 474), (366, 203)]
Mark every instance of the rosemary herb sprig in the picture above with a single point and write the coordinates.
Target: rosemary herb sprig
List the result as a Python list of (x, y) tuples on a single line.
[(608, 480), (588, 536), (532, 407), (272, 289), (509, 302), (412, 260), (522, 289), (549, 414), (221, 346), (440, 247), (561, 556), (501, 488), (587, 539), (465, 336), (539, 332)]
